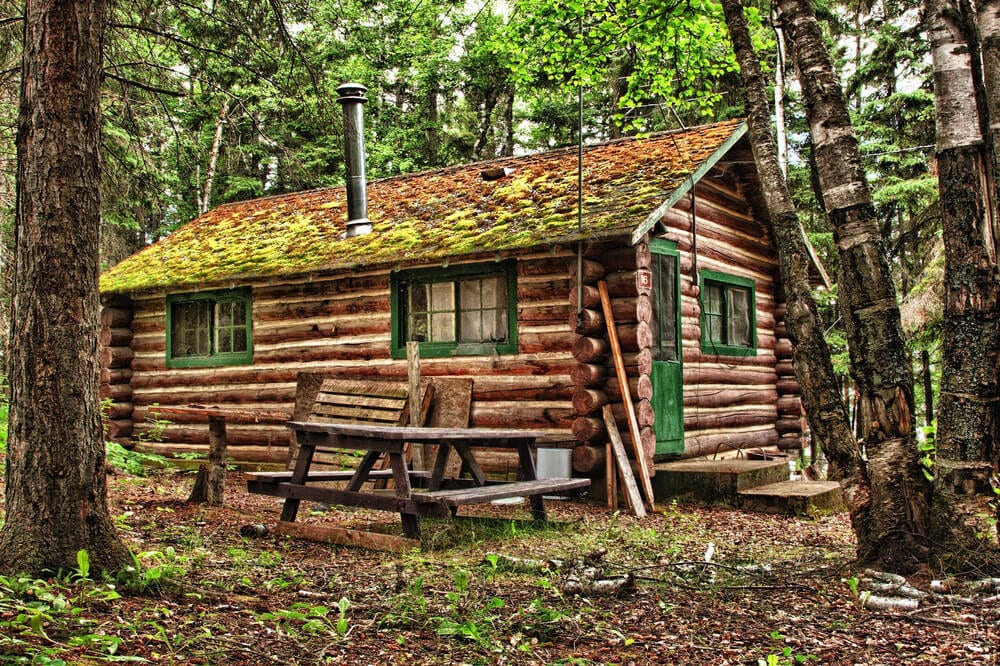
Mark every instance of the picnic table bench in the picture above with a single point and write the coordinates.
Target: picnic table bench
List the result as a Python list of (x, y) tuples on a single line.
[(443, 495)]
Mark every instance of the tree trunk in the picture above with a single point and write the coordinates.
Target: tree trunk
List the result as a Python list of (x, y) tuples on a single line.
[(55, 481), (880, 365), (825, 410), (205, 202)]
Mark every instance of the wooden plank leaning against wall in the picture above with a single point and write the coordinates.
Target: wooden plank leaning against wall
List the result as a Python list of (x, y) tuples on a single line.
[(341, 325)]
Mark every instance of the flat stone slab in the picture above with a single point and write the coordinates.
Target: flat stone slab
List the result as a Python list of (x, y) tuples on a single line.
[(715, 481), (796, 498)]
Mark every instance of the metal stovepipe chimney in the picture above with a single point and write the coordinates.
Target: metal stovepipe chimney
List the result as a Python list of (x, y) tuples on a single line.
[(352, 97)]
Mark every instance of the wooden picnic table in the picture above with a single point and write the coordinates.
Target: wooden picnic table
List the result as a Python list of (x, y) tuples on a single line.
[(442, 496)]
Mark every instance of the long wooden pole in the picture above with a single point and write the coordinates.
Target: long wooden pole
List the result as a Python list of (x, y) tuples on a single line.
[(633, 423)]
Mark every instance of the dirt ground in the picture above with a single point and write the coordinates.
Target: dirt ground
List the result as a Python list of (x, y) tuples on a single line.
[(775, 590)]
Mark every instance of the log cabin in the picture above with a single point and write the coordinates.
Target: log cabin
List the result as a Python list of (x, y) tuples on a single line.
[(491, 268)]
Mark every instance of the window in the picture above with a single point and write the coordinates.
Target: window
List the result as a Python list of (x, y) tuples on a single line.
[(728, 314), (209, 328), (461, 310)]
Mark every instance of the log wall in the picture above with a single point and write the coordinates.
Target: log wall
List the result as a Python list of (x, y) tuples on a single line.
[(340, 324)]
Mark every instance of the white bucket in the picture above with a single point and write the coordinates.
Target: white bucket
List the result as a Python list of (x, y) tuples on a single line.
[(554, 464)]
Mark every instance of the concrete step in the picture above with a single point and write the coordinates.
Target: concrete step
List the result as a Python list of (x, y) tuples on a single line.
[(794, 498), (714, 481)]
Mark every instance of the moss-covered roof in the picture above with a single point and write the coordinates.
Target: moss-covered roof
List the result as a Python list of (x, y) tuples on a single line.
[(430, 215)]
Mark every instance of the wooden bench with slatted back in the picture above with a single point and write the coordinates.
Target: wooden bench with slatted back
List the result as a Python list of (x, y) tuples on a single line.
[(369, 402)]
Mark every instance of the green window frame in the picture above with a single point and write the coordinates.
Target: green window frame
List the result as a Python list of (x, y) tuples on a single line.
[(209, 328), (466, 310), (728, 314)]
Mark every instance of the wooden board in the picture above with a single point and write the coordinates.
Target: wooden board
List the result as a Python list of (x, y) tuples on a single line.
[(633, 424), (451, 408), (621, 462)]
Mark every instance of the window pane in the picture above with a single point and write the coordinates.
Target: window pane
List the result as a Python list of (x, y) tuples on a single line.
[(713, 299), (240, 340), (224, 342), (225, 315), (471, 326), (739, 316), (443, 296), (417, 329), (470, 292), (189, 329), (418, 297), (443, 327)]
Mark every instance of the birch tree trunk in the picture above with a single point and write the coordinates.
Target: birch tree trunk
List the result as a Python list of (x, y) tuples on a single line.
[(55, 480), (880, 364), (821, 397)]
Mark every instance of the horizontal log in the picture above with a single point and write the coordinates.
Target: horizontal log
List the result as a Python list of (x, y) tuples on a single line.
[(785, 368), (119, 411), (116, 317), (588, 429), (337, 351), (588, 322), (648, 439), (644, 388), (592, 270), (788, 425), (115, 337), (613, 388), (256, 414), (217, 395), (590, 350), (540, 266), (728, 419), (119, 428), (737, 376), (588, 401), (588, 459), (644, 413), (706, 445), (342, 329), (488, 415), (622, 284), (300, 289), (115, 392), (236, 435), (544, 315), (783, 348), (591, 297), (698, 397), (644, 308), (789, 406), (589, 375), (546, 341), (277, 311), (242, 454), (116, 357), (790, 442), (116, 375), (626, 258), (556, 289), (787, 386)]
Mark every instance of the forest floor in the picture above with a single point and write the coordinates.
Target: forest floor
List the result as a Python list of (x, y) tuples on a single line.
[(777, 590)]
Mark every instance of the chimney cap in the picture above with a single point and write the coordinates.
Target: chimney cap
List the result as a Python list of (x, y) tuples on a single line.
[(351, 92)]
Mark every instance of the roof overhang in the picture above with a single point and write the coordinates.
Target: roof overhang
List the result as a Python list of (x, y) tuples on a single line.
[(653, 218)]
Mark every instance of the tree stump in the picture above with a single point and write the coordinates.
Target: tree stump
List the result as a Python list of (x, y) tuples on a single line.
[(210, 484)]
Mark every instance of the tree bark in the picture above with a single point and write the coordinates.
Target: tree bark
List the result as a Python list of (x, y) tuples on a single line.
[(897, 524), (55, 480)]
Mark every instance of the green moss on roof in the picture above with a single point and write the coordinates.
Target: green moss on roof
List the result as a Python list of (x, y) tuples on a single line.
[(427, 216)]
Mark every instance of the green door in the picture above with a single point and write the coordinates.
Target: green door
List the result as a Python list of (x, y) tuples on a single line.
[(667, 377)]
